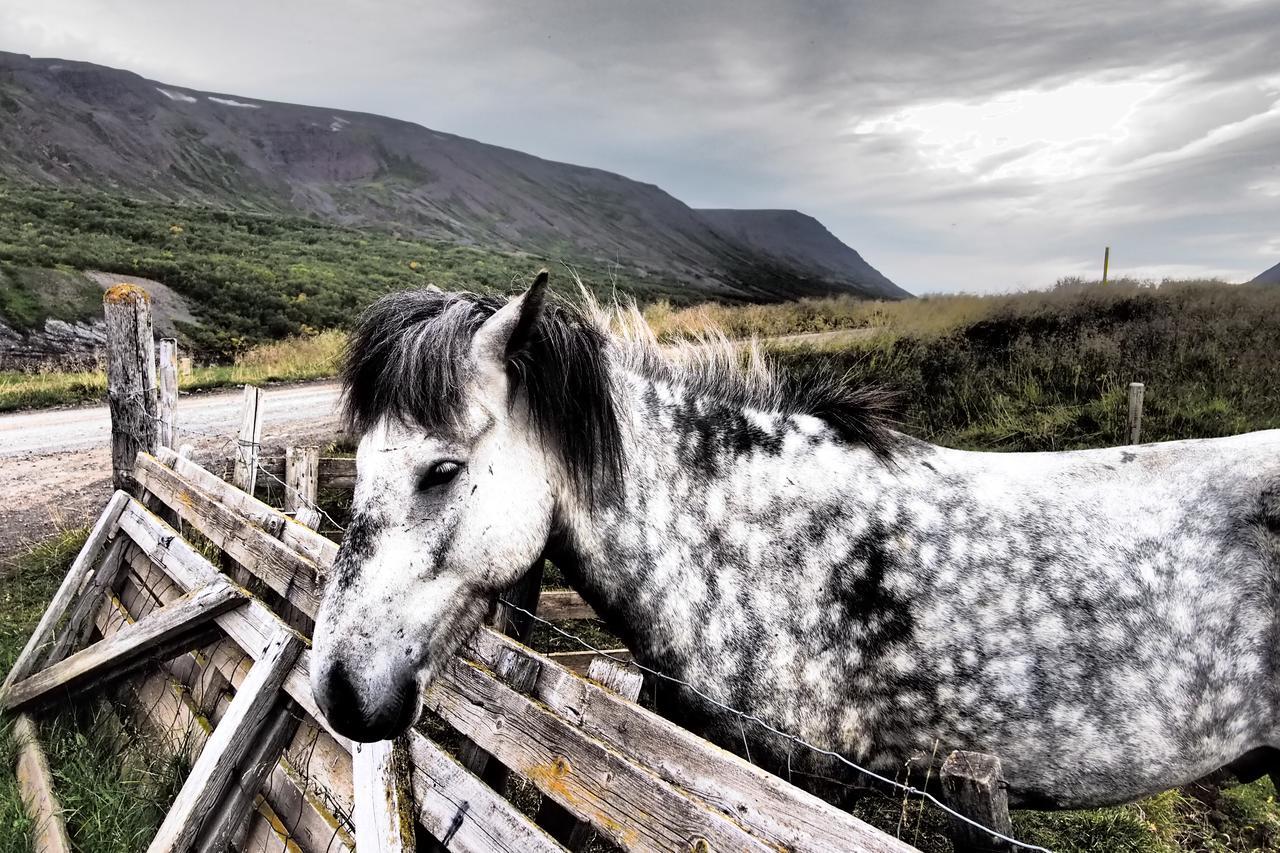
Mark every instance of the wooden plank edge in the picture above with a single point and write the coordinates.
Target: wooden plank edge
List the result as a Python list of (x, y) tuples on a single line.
[(35, 782)]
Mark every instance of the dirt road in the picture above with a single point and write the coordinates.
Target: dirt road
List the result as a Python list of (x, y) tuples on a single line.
[(55, 466)]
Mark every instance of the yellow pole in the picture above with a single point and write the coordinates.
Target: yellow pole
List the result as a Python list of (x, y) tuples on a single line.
[(1106, 262)]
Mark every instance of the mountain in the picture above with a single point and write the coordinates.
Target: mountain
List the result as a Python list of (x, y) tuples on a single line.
[(1271, 276), (79, 125), (799, 241)]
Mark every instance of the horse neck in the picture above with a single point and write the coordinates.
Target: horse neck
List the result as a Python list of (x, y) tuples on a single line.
[(709, 489)]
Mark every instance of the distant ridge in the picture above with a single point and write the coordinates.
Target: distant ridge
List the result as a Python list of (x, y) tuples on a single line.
[(79, 125), (1271, 276), (799, 241)]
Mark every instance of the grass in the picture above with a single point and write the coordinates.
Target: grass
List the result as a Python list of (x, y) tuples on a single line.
[(292, 360)]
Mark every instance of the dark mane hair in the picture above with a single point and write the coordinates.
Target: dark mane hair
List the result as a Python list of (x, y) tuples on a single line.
[(409, 358)]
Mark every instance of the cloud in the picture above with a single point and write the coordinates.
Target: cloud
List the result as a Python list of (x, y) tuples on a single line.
[(957, 146)]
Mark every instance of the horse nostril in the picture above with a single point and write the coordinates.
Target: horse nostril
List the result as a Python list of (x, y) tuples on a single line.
[(339, 701), (385, 717)]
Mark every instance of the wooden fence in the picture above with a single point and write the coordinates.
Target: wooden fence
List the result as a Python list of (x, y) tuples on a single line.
[(234, 675)]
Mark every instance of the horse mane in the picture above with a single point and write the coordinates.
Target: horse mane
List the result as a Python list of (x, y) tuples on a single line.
[(408, 358)]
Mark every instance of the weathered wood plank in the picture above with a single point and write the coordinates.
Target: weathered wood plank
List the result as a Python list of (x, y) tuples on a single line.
[(228, 824), (319, 549), (79, 623), (972, 784), (35, 783), (302, 480), (166, 707), (168, 408), (384, 808), (249, 441), (462, 812), (293, 797), (131, 378), (579, 662), (626, 682), (282, 568), (558, 604), (159, 636), (68, 591), (520, 673), (629, 806), (228, 746), (768, 804)]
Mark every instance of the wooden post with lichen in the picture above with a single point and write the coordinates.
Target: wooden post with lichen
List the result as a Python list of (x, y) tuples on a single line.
[(973, 784), (168, 391), (131, 379)]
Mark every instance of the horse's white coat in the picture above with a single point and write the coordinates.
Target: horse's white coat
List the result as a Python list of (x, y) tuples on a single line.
[(1105, 621)]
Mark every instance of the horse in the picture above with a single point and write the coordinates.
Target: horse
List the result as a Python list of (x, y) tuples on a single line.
[(1104, 621)]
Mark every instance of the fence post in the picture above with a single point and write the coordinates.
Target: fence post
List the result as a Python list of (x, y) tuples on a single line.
[(168, 391), (1136, 390), (972, 784), (185, 370), (302, 478), (131, 379), (245, 473)]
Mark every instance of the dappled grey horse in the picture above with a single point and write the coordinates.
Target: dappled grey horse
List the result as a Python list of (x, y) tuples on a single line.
[(1104, 621)]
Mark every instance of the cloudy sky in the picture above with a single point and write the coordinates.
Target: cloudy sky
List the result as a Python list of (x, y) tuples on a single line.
[(958, 146)]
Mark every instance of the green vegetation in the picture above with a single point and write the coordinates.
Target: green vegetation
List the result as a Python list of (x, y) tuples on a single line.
[(1049, 371), (29, 296), (252, 277)]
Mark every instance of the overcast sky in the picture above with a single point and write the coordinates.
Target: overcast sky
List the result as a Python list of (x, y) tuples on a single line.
[(957, 146)]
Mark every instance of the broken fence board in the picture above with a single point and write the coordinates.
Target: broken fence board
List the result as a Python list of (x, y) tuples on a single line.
[(228, 746), (65, 597), (35, 783), (162, 635)]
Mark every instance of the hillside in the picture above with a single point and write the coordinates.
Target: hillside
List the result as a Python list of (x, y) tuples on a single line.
[(799, 241), (1271, 276), (82, 126)]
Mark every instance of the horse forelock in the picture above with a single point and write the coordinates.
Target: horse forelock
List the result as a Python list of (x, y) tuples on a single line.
[(410, 359)]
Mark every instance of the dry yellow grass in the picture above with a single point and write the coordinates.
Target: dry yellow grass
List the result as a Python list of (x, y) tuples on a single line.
[(290, 360)]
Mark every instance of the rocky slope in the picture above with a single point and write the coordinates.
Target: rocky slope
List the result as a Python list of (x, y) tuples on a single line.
[(79, 125)]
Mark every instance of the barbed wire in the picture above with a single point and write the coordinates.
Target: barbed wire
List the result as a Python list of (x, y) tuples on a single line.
[(794, 738)]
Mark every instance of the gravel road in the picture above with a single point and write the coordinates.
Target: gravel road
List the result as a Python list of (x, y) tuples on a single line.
[(55, 465)]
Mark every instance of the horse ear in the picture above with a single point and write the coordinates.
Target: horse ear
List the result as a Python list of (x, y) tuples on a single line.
[(508, 330)]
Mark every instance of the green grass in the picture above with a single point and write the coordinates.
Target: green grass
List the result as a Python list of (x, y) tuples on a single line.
[(30, 296)]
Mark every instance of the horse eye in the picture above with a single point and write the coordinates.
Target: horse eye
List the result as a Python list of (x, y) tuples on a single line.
[(440, 474)]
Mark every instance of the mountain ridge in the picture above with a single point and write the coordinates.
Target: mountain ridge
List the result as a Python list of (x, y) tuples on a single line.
[(80, 125), (1269, 276)]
